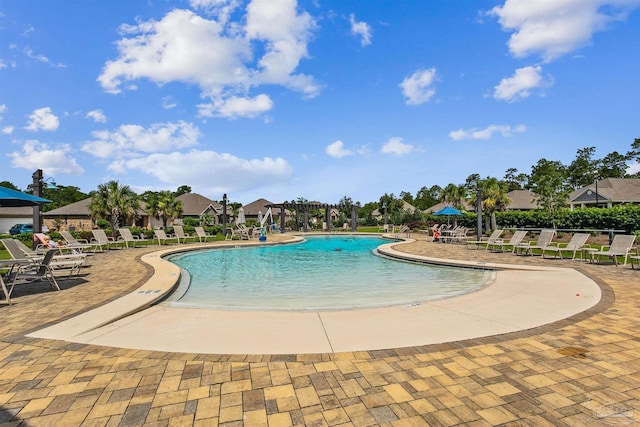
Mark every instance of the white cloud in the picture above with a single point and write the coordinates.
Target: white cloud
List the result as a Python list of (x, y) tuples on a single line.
[(397, 147), (168, 103), (520, 85), (132, 140), (97, 116), (7, 130), (418, 88), (221, 9), (486, 133), (336, 149), (51, 160), (361, 29), (218, 57), (225, 172), (634, 168), (555, 28), (3, 110), (235, 107), (43, 119)]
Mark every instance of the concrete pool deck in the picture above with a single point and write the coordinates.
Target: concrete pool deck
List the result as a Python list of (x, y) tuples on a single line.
[(504, 306), (583, 370)]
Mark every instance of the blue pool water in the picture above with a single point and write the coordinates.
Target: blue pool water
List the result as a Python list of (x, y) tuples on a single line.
[(322, 273)]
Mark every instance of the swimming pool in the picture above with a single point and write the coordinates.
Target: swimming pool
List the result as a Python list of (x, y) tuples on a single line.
[(321, 273)]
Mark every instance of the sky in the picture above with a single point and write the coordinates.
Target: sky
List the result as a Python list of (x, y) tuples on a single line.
[(313, 99)]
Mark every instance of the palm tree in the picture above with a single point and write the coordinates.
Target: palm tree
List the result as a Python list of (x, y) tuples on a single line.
[(454, 195), (115, 203), (164, 206), (494, 199)]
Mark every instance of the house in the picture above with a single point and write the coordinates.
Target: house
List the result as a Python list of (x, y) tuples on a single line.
[(406, 206), (12, 216), (259, 208), (195, 206), (76, 216), (606, 193), (522, 200)]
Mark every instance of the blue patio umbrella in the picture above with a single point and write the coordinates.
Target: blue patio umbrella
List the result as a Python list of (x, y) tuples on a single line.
[(448, 211), (12, 198)]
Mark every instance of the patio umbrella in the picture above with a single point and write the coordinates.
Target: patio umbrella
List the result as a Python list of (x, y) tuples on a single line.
[(260, 217), (448, 211), (13, 198), (241, 219)]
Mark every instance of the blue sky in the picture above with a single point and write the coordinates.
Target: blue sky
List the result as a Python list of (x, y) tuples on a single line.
[(317, 99)]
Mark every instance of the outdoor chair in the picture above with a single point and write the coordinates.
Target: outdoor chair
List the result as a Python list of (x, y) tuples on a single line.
[(162, 237), (40, 270), (544, 240), (79, 244), (20, 251), (178, 231), (495, 236), (577, 243), (620, 246), (129, 238), (203, 235), (516, 239), (101, 240)]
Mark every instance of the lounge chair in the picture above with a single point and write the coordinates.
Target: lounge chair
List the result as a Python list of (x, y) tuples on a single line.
[(574, 245), (457, 235), (19, 251), (544, 240), (162, 237), (181, 235), (516, 239), (203, 235), (79, 244), (128, 238), (41, 270), (620, 246), (495, 236), (101, 240), (241, 232)]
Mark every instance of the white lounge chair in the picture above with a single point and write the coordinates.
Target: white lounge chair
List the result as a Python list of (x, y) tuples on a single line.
[(577, 242), (20, 251), (181, 235), (72, 242), (544, 240), (162, 237), (203, 235), (101, 240), (620, 246), (495, 236), (515, 240), (129, 238)]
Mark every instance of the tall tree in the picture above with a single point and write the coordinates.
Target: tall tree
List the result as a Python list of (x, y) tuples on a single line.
[(633, 155), (583, 170), (183, 189), (613, 165), (548, 181), (515, 180), (115, 203)]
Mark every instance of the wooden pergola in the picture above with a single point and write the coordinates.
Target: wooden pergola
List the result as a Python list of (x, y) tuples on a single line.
[(306, 207)]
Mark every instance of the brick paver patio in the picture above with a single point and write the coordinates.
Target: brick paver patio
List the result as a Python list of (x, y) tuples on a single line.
[(581, 371)]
